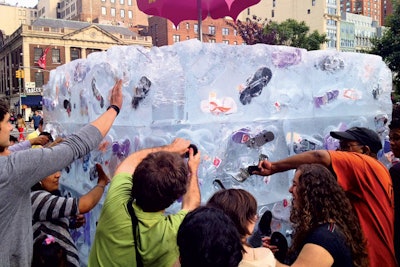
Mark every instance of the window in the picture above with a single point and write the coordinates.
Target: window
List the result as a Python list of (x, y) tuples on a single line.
[(211, 41), (92, 50), (112, 1), (211, 30), (75, 53), (129, 2), (225, 41), (103, 0), (225, 31), (235, 42), (39, 79), (235, 32), (313, 2), (122, 13), (37, 53), (103, 10), (122, 2), (176, 38), (196, 28), (187, 26), (175, 27), (308, 11), (272, 13), (55, 55), (130, 14), (112, 12)]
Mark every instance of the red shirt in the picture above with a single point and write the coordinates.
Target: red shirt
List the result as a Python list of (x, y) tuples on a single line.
[(369, 187)]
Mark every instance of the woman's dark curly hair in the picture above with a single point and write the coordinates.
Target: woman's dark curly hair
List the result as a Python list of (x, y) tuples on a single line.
[(319, 199)]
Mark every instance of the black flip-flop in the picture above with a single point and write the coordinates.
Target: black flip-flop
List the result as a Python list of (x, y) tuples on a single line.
[(279, 240), (264, 225)]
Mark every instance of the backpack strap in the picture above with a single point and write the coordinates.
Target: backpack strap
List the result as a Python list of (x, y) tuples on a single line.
[(134, 220)]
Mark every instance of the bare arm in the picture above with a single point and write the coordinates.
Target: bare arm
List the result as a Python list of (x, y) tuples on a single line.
[(317, 156), (40, 140), (311, 256), (191, 199), (129, 165), (90, 200), (105, 121)]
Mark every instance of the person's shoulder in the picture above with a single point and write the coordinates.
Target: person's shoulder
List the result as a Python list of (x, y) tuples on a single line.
[(39, 194)]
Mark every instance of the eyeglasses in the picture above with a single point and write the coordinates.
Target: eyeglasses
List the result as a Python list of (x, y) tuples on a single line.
[(345, 146)]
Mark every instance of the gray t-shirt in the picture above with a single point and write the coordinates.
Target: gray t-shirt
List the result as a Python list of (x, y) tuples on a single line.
[(18, 173)]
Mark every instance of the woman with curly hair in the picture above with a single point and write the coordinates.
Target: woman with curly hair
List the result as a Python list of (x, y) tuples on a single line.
[(326, 229)]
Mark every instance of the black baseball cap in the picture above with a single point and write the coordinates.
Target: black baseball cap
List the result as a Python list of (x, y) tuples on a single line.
[(362, 135)]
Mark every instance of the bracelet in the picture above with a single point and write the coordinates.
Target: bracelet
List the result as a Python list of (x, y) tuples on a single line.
[(114, 107), (102, 186)]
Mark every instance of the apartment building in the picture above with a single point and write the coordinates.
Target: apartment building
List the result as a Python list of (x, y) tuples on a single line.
[(12, 17), (368, 8), (64, 41), (164, 32), (112, 12), (364, 30), (322, 16)]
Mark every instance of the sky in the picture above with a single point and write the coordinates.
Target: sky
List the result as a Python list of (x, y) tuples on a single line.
[(24, 3)]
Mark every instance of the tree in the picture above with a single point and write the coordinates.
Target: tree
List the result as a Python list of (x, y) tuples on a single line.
[(252, 31), (290, 33), (388, 47)]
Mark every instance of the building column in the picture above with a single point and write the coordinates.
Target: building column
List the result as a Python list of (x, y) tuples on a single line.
[(83, 52), (67, 54)]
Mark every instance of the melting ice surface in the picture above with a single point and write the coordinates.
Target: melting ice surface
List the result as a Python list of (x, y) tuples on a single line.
[(236, 103)]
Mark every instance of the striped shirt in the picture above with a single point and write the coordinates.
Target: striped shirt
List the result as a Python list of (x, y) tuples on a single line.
[(50, 216)]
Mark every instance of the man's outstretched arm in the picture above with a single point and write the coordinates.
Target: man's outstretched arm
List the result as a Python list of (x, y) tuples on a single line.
[(316, 156)]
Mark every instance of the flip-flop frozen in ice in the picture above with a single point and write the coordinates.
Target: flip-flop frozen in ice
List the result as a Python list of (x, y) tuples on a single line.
[(225, 105), (97, 94), (260, 139), (255, 84), (326, 98), (241, 136), (140, 91), (306, 145), (217, 183), (244, 136), (68, 107)]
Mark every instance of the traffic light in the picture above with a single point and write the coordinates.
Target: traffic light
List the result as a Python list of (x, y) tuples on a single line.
[(19, 74)]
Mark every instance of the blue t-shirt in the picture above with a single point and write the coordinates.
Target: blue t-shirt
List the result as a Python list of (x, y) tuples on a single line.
[(36, 120), (330, 237)]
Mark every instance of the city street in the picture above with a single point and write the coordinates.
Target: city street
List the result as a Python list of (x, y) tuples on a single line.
[(16, 133)]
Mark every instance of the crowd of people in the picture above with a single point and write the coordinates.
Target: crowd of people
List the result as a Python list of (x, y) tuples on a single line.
[(344, 204)]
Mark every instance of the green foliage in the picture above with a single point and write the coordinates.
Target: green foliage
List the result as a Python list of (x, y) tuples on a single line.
[(289, 33), (388, 47)]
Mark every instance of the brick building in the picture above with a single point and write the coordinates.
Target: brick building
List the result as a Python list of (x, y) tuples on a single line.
[(164, 32), (65, 40)]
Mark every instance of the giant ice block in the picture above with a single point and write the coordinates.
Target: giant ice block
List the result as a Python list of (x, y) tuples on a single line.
[(236, 103)]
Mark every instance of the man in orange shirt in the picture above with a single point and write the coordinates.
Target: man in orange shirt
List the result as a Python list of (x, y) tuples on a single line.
[(366, 181)]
